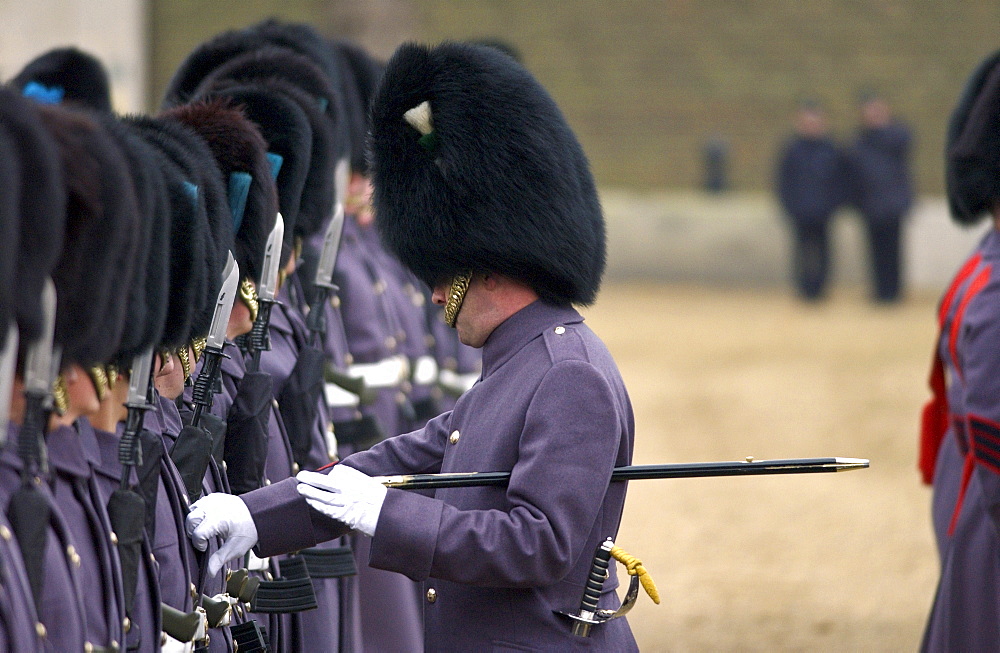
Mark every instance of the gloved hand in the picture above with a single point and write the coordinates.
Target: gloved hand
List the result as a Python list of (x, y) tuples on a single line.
[(345, 494), (224, 515)]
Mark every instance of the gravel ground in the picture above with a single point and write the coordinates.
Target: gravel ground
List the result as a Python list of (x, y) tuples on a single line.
[(829, 562)]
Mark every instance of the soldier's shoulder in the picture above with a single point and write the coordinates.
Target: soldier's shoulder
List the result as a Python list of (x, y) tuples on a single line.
[(568, 342)]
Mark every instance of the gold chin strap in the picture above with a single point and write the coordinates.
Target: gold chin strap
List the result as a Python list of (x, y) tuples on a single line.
[(249, 296), (198, 347), (112, 373), (182, 356), (60, 395), (456, 295), (100, 380)]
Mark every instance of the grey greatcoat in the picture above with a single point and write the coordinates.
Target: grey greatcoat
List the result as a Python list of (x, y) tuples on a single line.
[(496, 563)]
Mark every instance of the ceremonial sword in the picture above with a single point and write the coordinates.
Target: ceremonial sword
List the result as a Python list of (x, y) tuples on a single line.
[(746, 467)]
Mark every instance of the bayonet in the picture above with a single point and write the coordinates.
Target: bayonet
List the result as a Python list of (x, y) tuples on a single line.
[(129, 451), (331, 246), (8, 365), (272, 262), (257, 339), (223, 305), (40, 367), (324, 286), (747, 467), (204, 385)]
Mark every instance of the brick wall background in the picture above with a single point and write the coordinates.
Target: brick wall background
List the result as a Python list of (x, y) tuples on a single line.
[(646, 83)]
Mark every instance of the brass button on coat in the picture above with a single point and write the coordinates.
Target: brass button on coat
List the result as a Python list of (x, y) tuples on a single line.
[(454, 437), (432, 595)]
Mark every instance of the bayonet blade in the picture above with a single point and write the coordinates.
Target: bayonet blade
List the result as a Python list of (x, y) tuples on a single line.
[(331, 244), (40, 363), (138, 382), (8, 364), (224, 305), (272, 261)]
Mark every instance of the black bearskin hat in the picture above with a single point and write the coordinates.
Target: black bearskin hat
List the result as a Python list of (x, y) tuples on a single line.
[(972, 151), (80, 77), (100, 235), (147, 291), (276, 64), (41, 206), (204, 59), (286, 129), (240, 153), (195, 192), (362, 73), (474, 168)]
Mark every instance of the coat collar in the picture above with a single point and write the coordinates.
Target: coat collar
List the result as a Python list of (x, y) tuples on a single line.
[(520, 329)]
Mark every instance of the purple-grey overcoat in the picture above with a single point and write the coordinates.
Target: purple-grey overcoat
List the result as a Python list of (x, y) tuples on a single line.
[(552, 408), (966, 611)]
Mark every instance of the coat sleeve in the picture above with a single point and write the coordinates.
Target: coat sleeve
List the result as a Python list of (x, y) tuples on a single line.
[(980, 365), (418, 452), (276, 506), (566, 455)]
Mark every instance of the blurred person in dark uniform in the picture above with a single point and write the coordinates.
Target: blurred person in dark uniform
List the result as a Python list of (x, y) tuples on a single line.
[(882, 190), (811, 181), (960, 438)]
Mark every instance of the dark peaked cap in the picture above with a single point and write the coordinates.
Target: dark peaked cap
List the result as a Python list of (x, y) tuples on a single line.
[(501, 184), (972, 152), (41, 206), (81, 76), (101, 227)]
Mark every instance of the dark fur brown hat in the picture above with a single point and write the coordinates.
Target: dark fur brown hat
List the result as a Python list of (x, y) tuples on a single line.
[(238, 149), (285, 127), (498, 183), (192, 265), (81, 77), (100, 235), (972, 151), (41, 205)]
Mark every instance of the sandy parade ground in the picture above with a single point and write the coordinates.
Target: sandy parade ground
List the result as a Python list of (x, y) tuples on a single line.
[(831, 562)]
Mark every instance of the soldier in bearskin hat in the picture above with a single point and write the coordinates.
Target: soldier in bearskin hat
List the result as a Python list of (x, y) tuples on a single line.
[(959, 439), (482, 190)]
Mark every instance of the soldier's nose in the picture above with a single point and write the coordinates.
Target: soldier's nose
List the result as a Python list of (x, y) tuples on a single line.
[(440, 294)]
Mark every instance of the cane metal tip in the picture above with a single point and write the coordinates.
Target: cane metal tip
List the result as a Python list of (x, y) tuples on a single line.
[(848, 464)]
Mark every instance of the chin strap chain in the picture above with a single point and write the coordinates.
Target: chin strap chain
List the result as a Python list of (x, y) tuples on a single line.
[(635, 568)]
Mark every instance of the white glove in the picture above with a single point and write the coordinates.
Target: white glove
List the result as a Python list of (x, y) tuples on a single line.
[(228, 517), (345, 494)]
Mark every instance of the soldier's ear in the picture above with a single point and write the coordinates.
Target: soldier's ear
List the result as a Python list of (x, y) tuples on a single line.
[(491, 281)]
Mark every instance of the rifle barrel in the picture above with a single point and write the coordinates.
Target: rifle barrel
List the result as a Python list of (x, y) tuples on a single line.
[(748, 467)]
